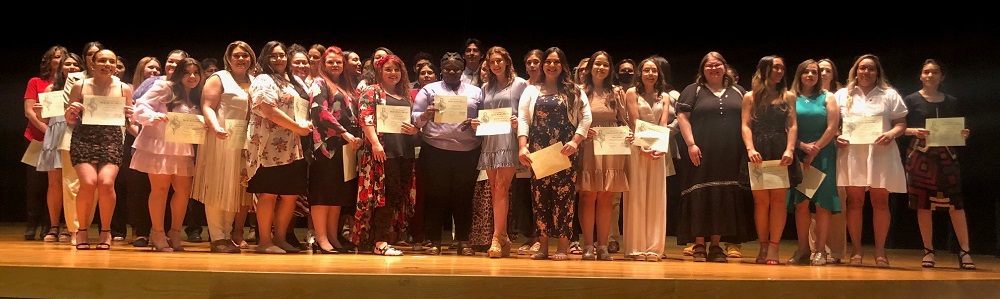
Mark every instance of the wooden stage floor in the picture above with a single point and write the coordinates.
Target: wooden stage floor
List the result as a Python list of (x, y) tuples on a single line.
[(54, 270)]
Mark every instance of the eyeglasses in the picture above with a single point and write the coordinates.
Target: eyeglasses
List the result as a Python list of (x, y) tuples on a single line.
[(279, 56), (714, 66), (240, 56)]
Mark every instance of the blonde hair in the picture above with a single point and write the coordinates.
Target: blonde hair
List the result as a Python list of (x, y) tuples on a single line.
[(852, 77)]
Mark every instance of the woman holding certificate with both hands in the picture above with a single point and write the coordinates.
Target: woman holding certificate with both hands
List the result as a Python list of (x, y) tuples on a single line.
[(933, 180), (96, 150), (769, 132), (168, 164), (874, 167), (556, 111)]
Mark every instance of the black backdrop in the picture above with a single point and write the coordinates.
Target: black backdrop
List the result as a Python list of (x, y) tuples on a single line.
[(966, 51)]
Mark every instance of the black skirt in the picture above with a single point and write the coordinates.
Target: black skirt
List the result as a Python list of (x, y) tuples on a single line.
[(326, 182), (288, 179)]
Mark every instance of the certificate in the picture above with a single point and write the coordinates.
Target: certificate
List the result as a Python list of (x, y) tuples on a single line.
[(237, 129), (31, 154), (494, 122), (390, 119), (104, 111), (768, 175), (53, 103), (301, 110), (811, 178), (185, 128), (482, 176), (611, 141), (651, 136), (945, 131), (350, 162), (548, 161), (451, 109), (862, 129)]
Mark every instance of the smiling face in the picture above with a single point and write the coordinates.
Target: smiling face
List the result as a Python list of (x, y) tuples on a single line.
[(391, 74), (650, 73), (867, 73), (498, 65), (355, 60), (54, 62), (714, 70), (931, 75), (277, 61), (105, 63), (300, 65), (451, 71), (552, 66), (70, 66), (601, 68), (171, 64), (473, 54), (192, 76)]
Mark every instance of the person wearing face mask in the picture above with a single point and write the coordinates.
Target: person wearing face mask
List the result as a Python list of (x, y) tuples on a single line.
[(625, 73)]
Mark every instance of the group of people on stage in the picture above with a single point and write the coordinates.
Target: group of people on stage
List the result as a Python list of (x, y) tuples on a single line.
[(318, 129)]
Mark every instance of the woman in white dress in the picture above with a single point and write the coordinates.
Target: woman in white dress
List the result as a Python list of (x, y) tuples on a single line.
[(217, 175), (876, 167)]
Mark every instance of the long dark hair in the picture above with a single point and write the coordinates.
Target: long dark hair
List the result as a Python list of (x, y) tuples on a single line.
[(192, 97), (60, 79), (762, 94), (564, 82), (263, 59)]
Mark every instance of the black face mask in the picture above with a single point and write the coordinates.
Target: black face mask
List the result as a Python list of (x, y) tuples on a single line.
[(625, 78)]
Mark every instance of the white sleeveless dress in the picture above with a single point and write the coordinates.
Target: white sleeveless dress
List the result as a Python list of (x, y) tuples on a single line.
[(217, 169)]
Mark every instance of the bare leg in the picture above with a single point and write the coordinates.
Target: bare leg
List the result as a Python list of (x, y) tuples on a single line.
[(776, 220), (54, 196), (106, 196), (803, 219), (961, 232), (603, 217), (85, 198), (761, 212), (320, 215), (585, 208), (880, 218), (332, 227), (265, 215), (283, 217), (855, 204)]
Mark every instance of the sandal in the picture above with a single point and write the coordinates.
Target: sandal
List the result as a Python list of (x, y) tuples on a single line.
[(104, 245), (574, 248), (386, 250), (856, 260), (559, 256), (158, 242), (762, 255), (928, 263), (698, 253), (52, 235), (84, 245), (965, 265), (540, 256), (881, 262)]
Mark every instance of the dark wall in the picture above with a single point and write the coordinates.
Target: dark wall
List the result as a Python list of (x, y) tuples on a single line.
[(966, 50)]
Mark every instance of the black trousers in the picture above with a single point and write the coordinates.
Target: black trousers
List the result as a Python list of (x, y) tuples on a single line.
[(121, 218), (448, 179), (520, 203), (136, 200), (36, 207)]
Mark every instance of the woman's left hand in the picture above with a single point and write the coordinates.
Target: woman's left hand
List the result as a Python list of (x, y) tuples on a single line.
[(409, 129), (786, 158), (569, 148), (885, 138)]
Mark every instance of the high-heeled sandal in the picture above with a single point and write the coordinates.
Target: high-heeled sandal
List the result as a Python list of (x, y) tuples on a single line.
[(924, 262), (881, 262), (52, 235), (85, 245), (559, 256), (494, 251), (589, 253), (965, 265), (603, 253), (768, 261), (762, 254), (799, 258), (505, 246), (316, 248), (157, 245), (104, 245), (174, 239), (386, 250)]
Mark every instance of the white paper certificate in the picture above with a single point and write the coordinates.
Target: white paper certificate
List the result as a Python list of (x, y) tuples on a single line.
[(350, 162), (651, 136), (494, 122), (812, 177), (548, 161), (768, 175), (611, 141), (482, 176), (53, 103), (945, 131), (862, 129), (185, 128), (451, 109), (104, 111), (31, 154), (390, 119), (301, 110), (237, 129)]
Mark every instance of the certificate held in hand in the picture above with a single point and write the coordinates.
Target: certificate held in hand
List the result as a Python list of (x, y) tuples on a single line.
[(185, 128), (862, 129), (104, 111), (611, 141), (390, 119), (494, 122), (768, 175), (651, 136), (451, 109), (945, 131), (53, 103), (548, 161)]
